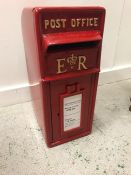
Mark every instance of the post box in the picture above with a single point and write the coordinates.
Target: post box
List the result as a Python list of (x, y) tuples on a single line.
[(63, 50)]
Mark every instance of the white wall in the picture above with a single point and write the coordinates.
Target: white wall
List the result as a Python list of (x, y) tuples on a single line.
[(123, 50), (116, 51)]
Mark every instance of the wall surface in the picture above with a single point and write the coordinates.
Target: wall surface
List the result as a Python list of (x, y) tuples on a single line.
[(116, 53)]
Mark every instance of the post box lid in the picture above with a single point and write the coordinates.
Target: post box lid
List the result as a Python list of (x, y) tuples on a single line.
[(70, 38)]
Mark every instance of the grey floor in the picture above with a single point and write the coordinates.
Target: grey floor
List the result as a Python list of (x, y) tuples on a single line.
[(107, 151)]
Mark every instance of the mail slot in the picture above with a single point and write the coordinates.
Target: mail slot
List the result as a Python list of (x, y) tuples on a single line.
[(79, 56), (63, 50)]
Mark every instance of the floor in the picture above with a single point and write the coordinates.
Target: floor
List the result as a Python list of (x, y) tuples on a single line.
[(107, 151)]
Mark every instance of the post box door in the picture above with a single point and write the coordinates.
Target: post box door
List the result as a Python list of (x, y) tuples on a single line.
[(70, 101)]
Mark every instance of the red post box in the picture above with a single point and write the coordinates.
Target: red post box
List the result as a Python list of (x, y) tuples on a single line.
[(63, 50)]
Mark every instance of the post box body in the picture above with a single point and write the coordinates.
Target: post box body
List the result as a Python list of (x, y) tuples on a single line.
[(63, 50)]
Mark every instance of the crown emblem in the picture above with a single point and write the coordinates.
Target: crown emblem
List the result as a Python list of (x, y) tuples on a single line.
[(72, 60)]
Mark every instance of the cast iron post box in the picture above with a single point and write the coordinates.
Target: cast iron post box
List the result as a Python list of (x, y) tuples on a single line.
[(63, 50)]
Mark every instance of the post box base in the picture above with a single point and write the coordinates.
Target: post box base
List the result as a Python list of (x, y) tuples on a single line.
[(68, 139)]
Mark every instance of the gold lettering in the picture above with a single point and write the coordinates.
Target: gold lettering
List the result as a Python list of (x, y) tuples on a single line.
[(73, 23), (58, 23), (60, 68), (82, 60), (52, 23), (46, 23), (95, 22), (83, 22), (91, 21), (63, 22), (87, 23), (78, 22)]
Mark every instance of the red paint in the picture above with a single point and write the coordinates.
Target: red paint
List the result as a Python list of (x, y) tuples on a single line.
[(44, 46)]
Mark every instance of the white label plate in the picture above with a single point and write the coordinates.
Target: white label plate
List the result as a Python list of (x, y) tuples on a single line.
[(72, 111)]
